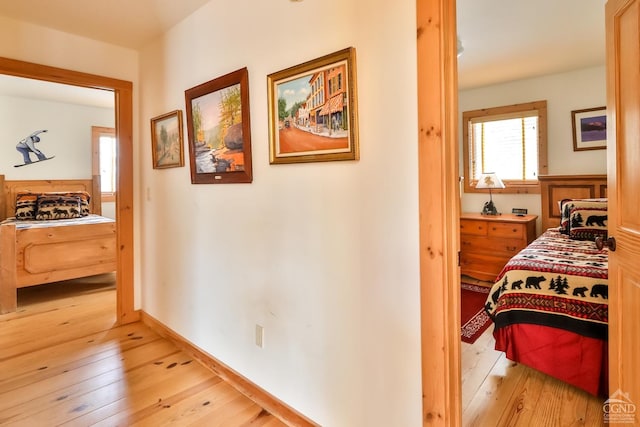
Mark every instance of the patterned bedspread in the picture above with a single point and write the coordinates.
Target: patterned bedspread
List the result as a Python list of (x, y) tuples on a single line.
[(555, 281), (90, 219)]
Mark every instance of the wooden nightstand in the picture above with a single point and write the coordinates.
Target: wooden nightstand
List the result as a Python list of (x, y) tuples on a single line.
[(488, 242)]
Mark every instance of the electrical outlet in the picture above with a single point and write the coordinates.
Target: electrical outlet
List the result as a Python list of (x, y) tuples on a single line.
[(259, 336)]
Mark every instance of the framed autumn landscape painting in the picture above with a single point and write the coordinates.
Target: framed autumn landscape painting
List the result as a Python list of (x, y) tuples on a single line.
[(219, 130), (313, 113)]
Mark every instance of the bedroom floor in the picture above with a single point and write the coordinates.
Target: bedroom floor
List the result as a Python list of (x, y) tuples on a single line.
[(499, 392)]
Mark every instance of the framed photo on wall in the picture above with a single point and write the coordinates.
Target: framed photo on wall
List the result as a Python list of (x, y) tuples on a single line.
[(313, 112), (589, 129), (167, 147), (219, 130)]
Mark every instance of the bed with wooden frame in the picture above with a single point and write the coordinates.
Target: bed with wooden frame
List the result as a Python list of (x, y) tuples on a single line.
[(549, 302), (52, 251)]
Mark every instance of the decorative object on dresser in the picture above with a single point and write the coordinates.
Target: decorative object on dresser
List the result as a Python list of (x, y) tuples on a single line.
[(488, 242), (489, 180)]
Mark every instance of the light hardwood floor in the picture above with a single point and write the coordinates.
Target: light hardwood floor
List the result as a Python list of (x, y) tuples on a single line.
[(498, 392), (62, 362)]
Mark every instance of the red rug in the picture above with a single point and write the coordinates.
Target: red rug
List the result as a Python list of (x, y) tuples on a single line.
[(474, 319)]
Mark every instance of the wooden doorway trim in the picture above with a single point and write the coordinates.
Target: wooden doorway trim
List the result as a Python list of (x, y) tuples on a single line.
[(123, 93), (439, 205)]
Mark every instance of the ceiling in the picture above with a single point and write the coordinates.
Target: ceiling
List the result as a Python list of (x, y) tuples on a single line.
[(507, 40), (503, 40), (127, 23)]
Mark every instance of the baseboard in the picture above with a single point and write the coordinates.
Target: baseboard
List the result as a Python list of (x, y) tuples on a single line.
[(272, 404)]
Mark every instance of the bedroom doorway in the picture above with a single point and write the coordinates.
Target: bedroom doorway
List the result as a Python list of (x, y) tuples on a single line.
[(122, 92)]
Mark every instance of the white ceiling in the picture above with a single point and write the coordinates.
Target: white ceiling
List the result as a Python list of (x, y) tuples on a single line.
[(128, 23), (503, 40), (507, 40)]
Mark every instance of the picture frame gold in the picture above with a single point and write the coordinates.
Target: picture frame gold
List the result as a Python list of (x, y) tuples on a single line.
[(589, 129), (219, 130), (313, 111), (167, 144)]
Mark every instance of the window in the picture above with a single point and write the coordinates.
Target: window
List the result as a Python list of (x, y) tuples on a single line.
[(103, 142), (510, 141)]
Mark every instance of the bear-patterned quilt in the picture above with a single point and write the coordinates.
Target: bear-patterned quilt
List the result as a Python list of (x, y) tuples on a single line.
[(549, 306), (555, 281)]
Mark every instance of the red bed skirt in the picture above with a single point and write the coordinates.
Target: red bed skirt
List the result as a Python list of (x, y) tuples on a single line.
[(574, 359)]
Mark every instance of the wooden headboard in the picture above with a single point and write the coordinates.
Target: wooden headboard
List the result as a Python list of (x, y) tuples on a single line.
[(555, 188), (10, 188)]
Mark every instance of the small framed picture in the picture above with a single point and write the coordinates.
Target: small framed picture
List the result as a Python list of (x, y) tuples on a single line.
[(589, 129), (219, 130), (313, 112), (166, 140)]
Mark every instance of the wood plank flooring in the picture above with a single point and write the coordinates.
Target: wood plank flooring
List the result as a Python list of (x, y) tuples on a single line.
[(499, 392), (62, 362)]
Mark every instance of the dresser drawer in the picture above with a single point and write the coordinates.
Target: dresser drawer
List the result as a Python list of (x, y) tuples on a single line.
[(487, 243), (473, 227), (507, 247), (506, 229)]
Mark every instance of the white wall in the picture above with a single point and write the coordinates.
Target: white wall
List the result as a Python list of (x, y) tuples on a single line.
[(41, 45), (68, 136), (323, 255), (565, 92)]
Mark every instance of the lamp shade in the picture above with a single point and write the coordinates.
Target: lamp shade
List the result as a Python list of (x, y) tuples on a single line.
[(489, 180)]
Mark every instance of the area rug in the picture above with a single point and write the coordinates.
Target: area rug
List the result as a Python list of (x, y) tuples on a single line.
[(474, 319)]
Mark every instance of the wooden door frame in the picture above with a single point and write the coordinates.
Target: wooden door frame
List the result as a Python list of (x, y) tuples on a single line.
[(439, 208), (123, 94)]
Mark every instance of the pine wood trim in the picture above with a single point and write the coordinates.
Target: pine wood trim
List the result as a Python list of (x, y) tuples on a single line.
[(8, 278), (439, 212), (275, 406), (123, 92)]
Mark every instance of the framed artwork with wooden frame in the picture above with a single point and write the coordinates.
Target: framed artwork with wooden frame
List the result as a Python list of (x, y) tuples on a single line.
[(219, 130), (313, 112), (167, 146), (589, 129)]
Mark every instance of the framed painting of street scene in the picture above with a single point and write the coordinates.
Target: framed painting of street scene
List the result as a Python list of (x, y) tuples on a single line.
[(313, 110), (166, 140), (219, 130)]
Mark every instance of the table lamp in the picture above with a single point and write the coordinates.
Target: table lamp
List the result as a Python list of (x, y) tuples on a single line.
[(489, 180)]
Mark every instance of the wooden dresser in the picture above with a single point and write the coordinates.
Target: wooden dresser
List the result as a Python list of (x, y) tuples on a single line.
[(488, 242)]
